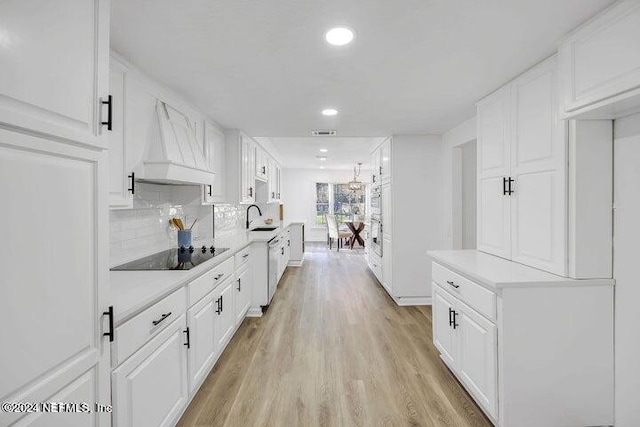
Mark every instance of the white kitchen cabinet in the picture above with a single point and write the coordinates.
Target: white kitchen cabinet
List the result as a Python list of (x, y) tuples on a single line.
[(600, 64), (53, 313), (387, 263), (202, 340), (522, 166), (242, 297), (376, 166), (150, 388), (296, 254), (121, 175), (240, 168), (55, 71), (261, 164), (384, 167), (444, 335), (508, 356), (214, 151), (225, 314)]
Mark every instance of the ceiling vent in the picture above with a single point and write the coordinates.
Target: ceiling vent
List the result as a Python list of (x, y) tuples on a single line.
[(324, 132)]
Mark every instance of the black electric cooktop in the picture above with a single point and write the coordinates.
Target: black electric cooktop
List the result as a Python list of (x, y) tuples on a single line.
[(173, 259)]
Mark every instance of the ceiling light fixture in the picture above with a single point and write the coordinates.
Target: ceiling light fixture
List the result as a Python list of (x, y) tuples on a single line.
[(323, 150), (356, 185), (339, 36), (329, 112)]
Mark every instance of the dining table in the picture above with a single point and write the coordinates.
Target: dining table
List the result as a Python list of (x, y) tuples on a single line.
[(356, 228)]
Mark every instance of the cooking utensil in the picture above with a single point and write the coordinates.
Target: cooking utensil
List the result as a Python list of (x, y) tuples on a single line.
[(194, 223)]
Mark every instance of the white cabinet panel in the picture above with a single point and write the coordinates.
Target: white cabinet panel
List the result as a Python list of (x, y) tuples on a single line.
[(120, 176), (54, 72), (478, 363), (601, 60), (242, 298), (443, 333), (57, 306), (225, 317), (150, 388), (493, 155), (214, 151), (494, 217), (385, 162), (387, 263), (202, 340)]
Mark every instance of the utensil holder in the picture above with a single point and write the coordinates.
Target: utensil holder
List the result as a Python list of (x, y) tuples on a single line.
[(184, 238)]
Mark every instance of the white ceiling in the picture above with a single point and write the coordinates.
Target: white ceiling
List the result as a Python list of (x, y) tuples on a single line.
[(343, 153), (416, 66)]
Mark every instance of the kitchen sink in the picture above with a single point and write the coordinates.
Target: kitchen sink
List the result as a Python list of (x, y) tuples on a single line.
[(263, 229)]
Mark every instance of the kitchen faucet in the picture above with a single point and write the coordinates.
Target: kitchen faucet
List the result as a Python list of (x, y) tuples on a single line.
[(249, 207)]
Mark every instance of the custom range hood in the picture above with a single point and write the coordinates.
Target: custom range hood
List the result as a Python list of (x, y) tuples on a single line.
[(173, 154)]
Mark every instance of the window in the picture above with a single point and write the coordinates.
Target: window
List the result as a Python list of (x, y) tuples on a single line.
[(322, 202), (339, 200)]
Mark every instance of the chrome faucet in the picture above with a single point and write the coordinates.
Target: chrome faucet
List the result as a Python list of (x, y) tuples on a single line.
[(249, 207)]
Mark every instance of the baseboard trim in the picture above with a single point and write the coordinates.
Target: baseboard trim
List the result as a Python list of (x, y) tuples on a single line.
[(254, 312), (295, 263), (406, 301)]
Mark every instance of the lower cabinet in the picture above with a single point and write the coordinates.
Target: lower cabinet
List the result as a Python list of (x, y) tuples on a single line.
[(202, 343), (468, 344), (225, 317), (150, 388), (242, 297)]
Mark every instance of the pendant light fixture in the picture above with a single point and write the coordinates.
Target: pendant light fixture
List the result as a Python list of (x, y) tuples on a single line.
[(356, 185)]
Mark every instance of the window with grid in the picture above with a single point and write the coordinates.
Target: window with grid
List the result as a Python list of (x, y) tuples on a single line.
[(322, 202), (339, 200)]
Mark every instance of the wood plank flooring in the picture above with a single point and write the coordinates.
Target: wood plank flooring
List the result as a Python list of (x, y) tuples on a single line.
[(333, 350)]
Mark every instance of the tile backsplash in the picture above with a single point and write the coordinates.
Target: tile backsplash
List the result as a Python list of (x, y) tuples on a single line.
[(143, 230)]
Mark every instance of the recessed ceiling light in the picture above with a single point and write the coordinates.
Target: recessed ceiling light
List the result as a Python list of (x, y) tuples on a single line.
[(323, 150), (339, 36), (329, 112), (321, 167), (323, 159)]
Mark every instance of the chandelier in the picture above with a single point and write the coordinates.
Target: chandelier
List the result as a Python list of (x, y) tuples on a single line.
[(356, 185)]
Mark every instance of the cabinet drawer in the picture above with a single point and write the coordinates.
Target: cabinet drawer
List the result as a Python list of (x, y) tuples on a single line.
[(136, 332), (204, 284), (477, 297), (242, 258)]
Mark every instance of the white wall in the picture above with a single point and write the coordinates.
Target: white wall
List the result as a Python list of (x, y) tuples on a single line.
[(299, 194), (467, 193), (451, 208), (625, 260)]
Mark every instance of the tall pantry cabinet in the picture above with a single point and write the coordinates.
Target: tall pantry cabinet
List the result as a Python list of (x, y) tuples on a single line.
[(54, 95)]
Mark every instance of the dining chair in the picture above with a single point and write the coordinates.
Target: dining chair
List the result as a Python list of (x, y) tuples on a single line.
[(335, 232)]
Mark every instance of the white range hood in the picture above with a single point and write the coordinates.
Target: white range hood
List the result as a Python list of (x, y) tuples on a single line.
[(173, 154)]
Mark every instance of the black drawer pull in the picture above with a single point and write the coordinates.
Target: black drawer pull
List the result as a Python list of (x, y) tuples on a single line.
[(161, 319), (455, 325), (239, 285), (453, 284), (188, 343), (219, 276), (219, 308), (110, 314), (109, 104), (132, 177), (450, 316), (245, 256)]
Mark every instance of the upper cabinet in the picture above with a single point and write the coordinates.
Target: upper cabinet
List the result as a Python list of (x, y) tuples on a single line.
[(214, 151), (384, 166), (522, 172), (376, 167), (240, 167), (262, 164), (600, 64), (54, 75)]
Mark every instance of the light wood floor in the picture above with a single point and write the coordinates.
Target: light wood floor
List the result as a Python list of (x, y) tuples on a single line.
[(333, 350)]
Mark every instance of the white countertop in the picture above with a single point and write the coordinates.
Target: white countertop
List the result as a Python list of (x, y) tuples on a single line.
[(133, 291), (495, 272)]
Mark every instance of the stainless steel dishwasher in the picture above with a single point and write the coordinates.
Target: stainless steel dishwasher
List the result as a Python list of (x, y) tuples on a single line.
[(274, 256)]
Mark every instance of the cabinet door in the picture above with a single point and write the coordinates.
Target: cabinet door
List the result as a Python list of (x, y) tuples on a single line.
[(494, 217), (444, 336), (225, 319), (247, 187), (538, 166), (385, 162), (493, 167), (387, 210), (478, 357), (55, 67), (202, 339), (53, 300), (387, 263), (242, 298), (375, 167), (287, 251), (150, 388), (214, 151), (120, 178)]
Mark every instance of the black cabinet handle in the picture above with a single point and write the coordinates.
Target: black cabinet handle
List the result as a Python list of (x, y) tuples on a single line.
[(219, 276), (510, 181), (161, 319), (109, 103), (264, 169), (453, 284), (109, 313), (239, 285), (219, 302), (504, 186), (273, 195), (250, 191), (282, 251), (455, 325), (380, 170), (210, 190), (450, 317), (288, 242), (188, 343), (132, 177), (245, 256), (373, 178)]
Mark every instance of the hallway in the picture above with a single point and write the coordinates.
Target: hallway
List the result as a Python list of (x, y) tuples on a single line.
[(333, 349)]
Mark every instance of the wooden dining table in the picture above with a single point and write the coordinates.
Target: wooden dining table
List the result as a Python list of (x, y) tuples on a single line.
[(356, 228)]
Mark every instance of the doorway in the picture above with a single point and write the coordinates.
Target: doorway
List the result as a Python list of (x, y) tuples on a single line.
[(464, 195)]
